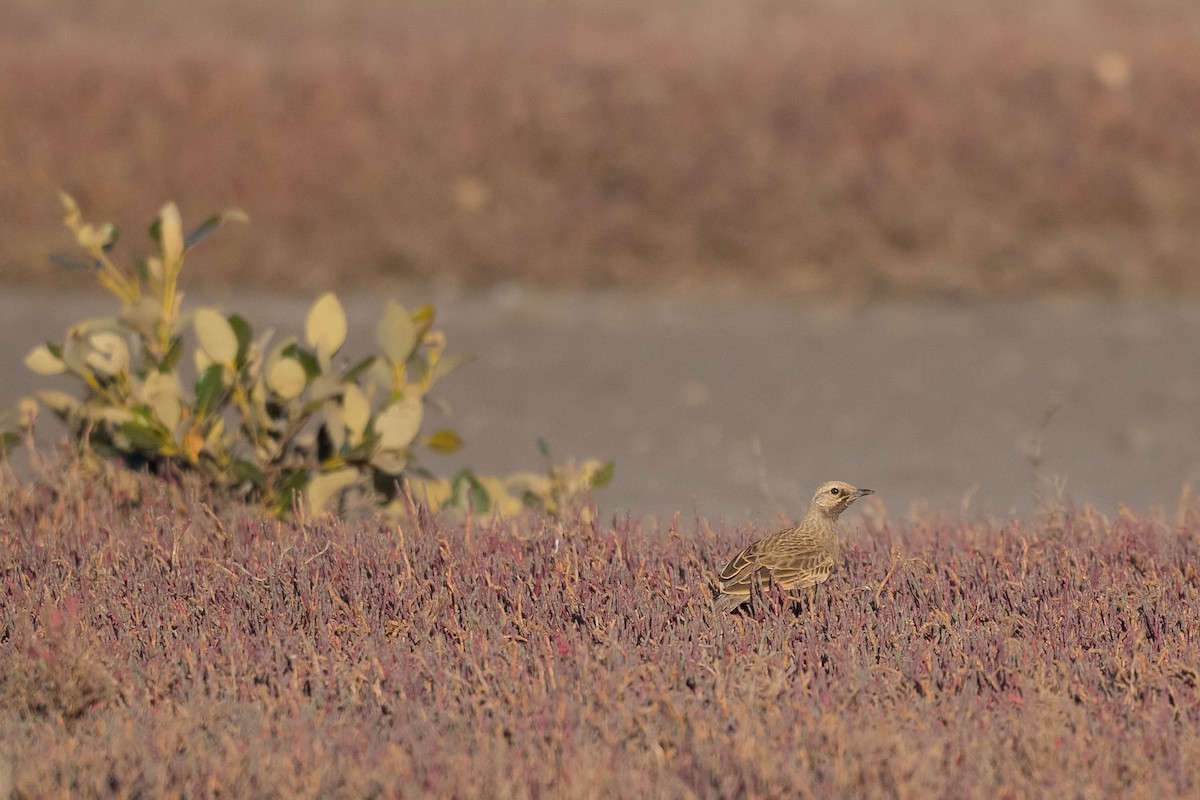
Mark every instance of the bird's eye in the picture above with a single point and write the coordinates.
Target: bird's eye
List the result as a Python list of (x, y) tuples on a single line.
[(835, 491)]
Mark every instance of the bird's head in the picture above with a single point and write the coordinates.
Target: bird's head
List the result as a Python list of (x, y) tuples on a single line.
[(835, 497)]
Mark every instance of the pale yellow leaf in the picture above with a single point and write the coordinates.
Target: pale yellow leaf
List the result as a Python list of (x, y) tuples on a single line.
[(324, 387), (109, 353), (356, 412), (396, 334), (161, 391), (389, 462), (286, 378), (215, 434), (113, 415), (201, 360), (27, 412), (503, 502), (327, 486), (143, 315), (154, 268), (335, 424), (59, 402), (74, 354), (170, 235), (399, 423), (71, 214), (325, 328), (94, 237), (216, 336), (433, 492), (43, 362)]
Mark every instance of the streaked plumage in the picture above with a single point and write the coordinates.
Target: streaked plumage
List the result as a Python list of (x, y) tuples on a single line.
[(793, 559)]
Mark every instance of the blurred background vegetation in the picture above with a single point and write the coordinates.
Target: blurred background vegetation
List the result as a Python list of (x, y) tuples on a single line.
[(966, 149)]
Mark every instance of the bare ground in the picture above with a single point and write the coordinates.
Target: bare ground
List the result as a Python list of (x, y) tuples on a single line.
[(736, 406)]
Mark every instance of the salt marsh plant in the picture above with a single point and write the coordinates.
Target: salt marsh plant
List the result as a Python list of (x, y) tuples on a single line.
[(170, 649), (284, 424)]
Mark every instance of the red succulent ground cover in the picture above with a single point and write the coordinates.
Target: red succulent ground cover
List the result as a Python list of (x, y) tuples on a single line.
[(150, 648)]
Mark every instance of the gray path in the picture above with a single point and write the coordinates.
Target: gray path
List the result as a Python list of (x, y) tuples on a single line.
[(735, 407)]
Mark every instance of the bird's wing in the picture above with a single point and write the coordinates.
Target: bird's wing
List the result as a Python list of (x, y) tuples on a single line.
[(799, 572), (794, 559)]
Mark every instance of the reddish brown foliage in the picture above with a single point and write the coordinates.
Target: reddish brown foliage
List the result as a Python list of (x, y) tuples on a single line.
[(161, 650), (948, 148)]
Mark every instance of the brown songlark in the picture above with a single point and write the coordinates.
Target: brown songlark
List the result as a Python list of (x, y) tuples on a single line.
[(794, 559)]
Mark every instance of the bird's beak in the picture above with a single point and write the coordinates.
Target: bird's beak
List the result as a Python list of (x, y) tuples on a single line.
[(861, 493)]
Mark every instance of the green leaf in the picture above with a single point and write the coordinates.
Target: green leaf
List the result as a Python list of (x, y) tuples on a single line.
[(364, 449), (422, 318), (174, 352), (603, 476), (445, 441), (216, 335), (396, 335), (44, 362), (208, 388), (210, 225), (306, 359), (312, 367), (531, 499), (245, 472), (293, 482), (352, 375), (72, 262), (481, 501), (141, 437), (244, 333), (475, 493), (325, 327)]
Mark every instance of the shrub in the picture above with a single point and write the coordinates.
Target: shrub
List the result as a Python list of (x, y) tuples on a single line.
[(262, 421)]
